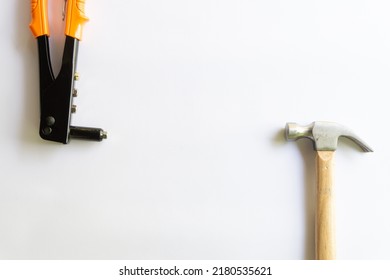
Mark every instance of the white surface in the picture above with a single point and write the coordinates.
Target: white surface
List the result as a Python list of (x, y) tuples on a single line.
[(195, 95)]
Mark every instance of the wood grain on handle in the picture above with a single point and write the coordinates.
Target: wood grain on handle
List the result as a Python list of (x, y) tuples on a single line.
[(325, 230)]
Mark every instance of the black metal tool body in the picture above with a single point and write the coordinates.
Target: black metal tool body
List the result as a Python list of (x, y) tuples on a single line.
[(56, 93)]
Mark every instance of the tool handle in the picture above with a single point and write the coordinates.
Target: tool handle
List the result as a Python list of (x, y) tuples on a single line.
[(39, 18), (75, 18), (325, 230)]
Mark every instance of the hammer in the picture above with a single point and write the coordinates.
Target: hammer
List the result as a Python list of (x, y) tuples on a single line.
[(325, 136)]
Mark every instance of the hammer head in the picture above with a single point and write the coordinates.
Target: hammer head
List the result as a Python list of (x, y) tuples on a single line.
[(324, 135)]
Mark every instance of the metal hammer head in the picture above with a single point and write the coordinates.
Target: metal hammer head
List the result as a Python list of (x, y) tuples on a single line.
[(324, 135)]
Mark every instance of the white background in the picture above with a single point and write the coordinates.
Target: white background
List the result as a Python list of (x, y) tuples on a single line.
[(195, 96)]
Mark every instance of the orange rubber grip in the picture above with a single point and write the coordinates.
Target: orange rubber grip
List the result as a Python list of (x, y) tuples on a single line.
[(75, 18), (39, 23)]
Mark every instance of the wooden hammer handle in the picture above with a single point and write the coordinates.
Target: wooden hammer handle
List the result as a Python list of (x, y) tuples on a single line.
[(325, 233)]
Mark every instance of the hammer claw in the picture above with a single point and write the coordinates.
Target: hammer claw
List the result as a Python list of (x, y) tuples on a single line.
[(325, 135)]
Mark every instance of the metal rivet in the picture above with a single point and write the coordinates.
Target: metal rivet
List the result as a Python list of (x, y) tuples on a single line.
[(50, 121), (47, 130), (76, 76), (75, 92), (73, 109)]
